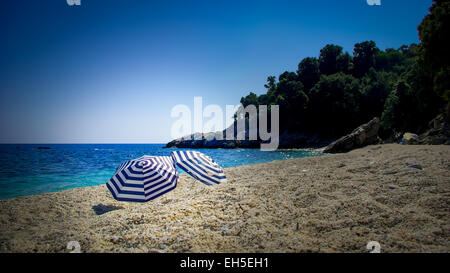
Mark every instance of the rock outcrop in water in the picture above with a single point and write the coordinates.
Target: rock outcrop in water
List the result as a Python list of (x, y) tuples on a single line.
[(42, 148), (365, 134), (217, 140)]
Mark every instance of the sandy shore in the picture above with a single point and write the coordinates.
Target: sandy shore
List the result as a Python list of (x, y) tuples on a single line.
[(332, 203)]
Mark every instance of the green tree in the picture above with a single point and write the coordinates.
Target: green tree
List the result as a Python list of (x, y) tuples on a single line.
[(251, 98), (329, 59), (344, 63), (308, 72), (434, 53), (289, 76), (335, 104), (291, 98), (376, 86), (271, 83), (363, 57), (398, 114), (398, 61)]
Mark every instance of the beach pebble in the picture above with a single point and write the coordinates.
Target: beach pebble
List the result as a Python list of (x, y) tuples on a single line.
[(224, 229), (115, 239), (415, 166), (4, 248)]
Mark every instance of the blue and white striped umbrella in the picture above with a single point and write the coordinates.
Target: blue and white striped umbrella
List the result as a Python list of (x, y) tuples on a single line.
[(143, 179), (199, 166)]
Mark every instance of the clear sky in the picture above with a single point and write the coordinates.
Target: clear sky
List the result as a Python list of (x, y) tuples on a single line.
[(111, 71)]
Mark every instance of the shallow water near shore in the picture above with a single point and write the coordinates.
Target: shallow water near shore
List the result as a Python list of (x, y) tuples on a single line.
[(27, 170)]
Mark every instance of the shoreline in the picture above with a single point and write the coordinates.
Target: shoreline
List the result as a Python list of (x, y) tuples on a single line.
[(329, 203), (35, 189)]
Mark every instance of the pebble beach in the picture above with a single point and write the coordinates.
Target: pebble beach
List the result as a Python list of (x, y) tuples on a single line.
[(397, 195)]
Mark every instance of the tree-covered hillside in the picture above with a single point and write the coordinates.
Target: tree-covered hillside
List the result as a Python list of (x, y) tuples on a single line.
[(335, 92)]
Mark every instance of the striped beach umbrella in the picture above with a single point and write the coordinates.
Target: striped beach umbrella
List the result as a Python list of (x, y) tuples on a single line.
[(143, 179), (199, 166)]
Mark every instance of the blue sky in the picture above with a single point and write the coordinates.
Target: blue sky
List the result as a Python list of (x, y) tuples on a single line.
[(110, 71)]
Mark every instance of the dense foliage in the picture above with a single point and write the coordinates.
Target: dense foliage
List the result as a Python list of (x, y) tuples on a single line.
[(336, 92)]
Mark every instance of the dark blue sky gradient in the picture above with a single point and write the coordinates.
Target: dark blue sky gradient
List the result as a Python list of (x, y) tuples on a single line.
[(111, 71)]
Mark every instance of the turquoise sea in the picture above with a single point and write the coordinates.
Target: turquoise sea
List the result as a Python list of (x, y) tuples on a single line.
[(26, 170)]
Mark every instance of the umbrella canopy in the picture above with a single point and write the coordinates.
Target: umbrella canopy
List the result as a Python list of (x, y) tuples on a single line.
[(143, 179), (199, 166)]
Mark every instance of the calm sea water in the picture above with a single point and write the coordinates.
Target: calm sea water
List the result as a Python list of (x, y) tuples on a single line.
[(26, 170)]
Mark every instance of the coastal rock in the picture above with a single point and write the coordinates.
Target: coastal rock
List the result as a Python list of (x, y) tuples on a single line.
[(365, 134), (410, 139), (438, 132), (204, 141), (217, 140)]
